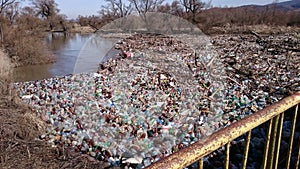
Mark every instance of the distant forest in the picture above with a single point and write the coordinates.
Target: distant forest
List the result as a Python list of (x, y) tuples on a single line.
[(199, 13)]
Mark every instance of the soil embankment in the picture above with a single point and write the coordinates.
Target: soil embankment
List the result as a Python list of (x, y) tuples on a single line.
[(19, 148), (19, 130)]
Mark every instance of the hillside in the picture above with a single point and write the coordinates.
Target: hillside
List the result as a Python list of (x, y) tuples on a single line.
[(293, 5)]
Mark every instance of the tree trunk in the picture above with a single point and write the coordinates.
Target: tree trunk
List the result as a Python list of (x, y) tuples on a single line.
[(1, 32)]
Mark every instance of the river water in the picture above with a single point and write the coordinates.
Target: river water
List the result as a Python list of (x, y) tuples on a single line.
[(74, 53)]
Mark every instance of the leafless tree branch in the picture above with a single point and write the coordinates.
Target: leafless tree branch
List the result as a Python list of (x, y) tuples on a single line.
[(5, 3), (118, 8), (193, 7)]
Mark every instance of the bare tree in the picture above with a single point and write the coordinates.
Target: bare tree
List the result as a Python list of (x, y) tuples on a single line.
[(118, 8), (45, 8), (48, 9), (192, 7), (5, 3), (93, 21), (176, 9), (12, 11), (28, 11), (144, 6)]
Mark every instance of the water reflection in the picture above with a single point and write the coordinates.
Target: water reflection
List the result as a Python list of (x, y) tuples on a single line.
[(67, 48), (32, 72), (57, 41), (94, 51)]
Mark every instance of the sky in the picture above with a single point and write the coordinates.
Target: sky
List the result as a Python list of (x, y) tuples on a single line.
[(74, 8)]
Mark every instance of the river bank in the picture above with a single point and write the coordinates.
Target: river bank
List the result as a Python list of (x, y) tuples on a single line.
[(248, 90), (72, 52)]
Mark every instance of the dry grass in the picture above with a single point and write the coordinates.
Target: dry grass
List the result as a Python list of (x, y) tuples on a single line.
[(19, 144), (20, 148), (26, 47), (76, 28), (23, 41), (5, 66)]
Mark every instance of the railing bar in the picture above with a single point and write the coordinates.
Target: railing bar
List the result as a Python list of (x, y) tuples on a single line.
[(267, 144), (292, 137), (227, 156), (245, 157), (220, 138), (201, 163), (298, 159), (273, 142), (279, 139)]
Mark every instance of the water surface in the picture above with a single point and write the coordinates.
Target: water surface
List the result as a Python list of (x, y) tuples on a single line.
[(74, 53)]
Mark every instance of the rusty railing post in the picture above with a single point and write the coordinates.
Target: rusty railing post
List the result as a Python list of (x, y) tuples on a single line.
[(278, 139), (226, 162), (246, 152), (223, 137), (273, 142), (267, 146), (201, 163), (292, 137)]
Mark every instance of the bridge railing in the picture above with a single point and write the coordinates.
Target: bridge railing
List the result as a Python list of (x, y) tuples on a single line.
[(272, 116)]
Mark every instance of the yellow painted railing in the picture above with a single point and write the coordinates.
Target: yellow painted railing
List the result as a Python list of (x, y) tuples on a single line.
[(272, 115)]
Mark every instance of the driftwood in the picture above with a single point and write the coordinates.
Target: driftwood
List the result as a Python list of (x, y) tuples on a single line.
[(94, 27), (255, 34)]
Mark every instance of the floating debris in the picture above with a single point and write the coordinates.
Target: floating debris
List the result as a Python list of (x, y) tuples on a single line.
[(160, 95)]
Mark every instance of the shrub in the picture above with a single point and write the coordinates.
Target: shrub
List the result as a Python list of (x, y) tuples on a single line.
[(24, 42)]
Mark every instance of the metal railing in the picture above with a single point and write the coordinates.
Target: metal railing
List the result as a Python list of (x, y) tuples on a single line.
[(272, 115)]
